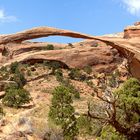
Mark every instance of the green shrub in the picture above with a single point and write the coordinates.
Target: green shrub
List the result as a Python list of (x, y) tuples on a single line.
[(19, 79), (16, 97), (29, 72), (62, 112), (109, 133), (90, 84), (59, 75), (3, 69), (26, 65), (10, 85), (122, 104), (53, 65), (74, 92), (75, 74), (36, 65), (14, 67), (129, 100), (88, 69), (46, 63), (84, 125), (49, 47), (4, 73)]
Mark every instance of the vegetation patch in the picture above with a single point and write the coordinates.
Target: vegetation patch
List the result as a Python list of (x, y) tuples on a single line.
[(75, 74), (62, 112), (16, 97), (49, 47)]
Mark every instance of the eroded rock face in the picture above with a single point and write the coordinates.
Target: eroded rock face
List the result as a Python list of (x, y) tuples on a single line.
[(132, 31), (97, 54), (77, 54), (100, 58)]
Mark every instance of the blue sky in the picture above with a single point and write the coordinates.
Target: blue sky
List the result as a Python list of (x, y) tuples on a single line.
[(95, 17)]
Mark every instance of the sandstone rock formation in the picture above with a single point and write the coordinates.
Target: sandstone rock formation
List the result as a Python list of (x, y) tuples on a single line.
[(132, 31), (79, 54)]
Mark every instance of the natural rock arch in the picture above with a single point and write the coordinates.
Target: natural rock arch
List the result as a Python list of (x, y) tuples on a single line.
[(123, 45)]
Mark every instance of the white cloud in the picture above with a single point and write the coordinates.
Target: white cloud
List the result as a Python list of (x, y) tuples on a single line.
[(133, 6), (5, 18)]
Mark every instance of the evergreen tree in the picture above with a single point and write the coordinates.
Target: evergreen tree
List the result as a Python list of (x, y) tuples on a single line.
[(119, 108), (14, 66), (16, 97), (62, 112)]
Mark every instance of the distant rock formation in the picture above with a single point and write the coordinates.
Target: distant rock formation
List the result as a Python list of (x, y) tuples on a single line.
[(132, 31)]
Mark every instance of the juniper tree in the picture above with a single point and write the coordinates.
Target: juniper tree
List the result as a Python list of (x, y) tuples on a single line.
[(118, 107), (62, 112), (16, 97)]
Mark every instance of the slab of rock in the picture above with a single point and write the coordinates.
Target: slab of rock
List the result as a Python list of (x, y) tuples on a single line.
[(132, 31), (98, 57)]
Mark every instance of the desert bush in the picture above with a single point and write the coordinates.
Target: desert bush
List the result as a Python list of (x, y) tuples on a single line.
[(29, 73), (4, 73), (53, 65), (36, 65), (3, 69), (74, 92), (84, 125), (46, 62), (118, 108), (109, 133), (49, 47), (88, 69), (59, 75), (13, 67), (90, 83), (75, 74), (26, 65), (62, 112), (19, 78), (9, 85), (129, 100), (16, 97)]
